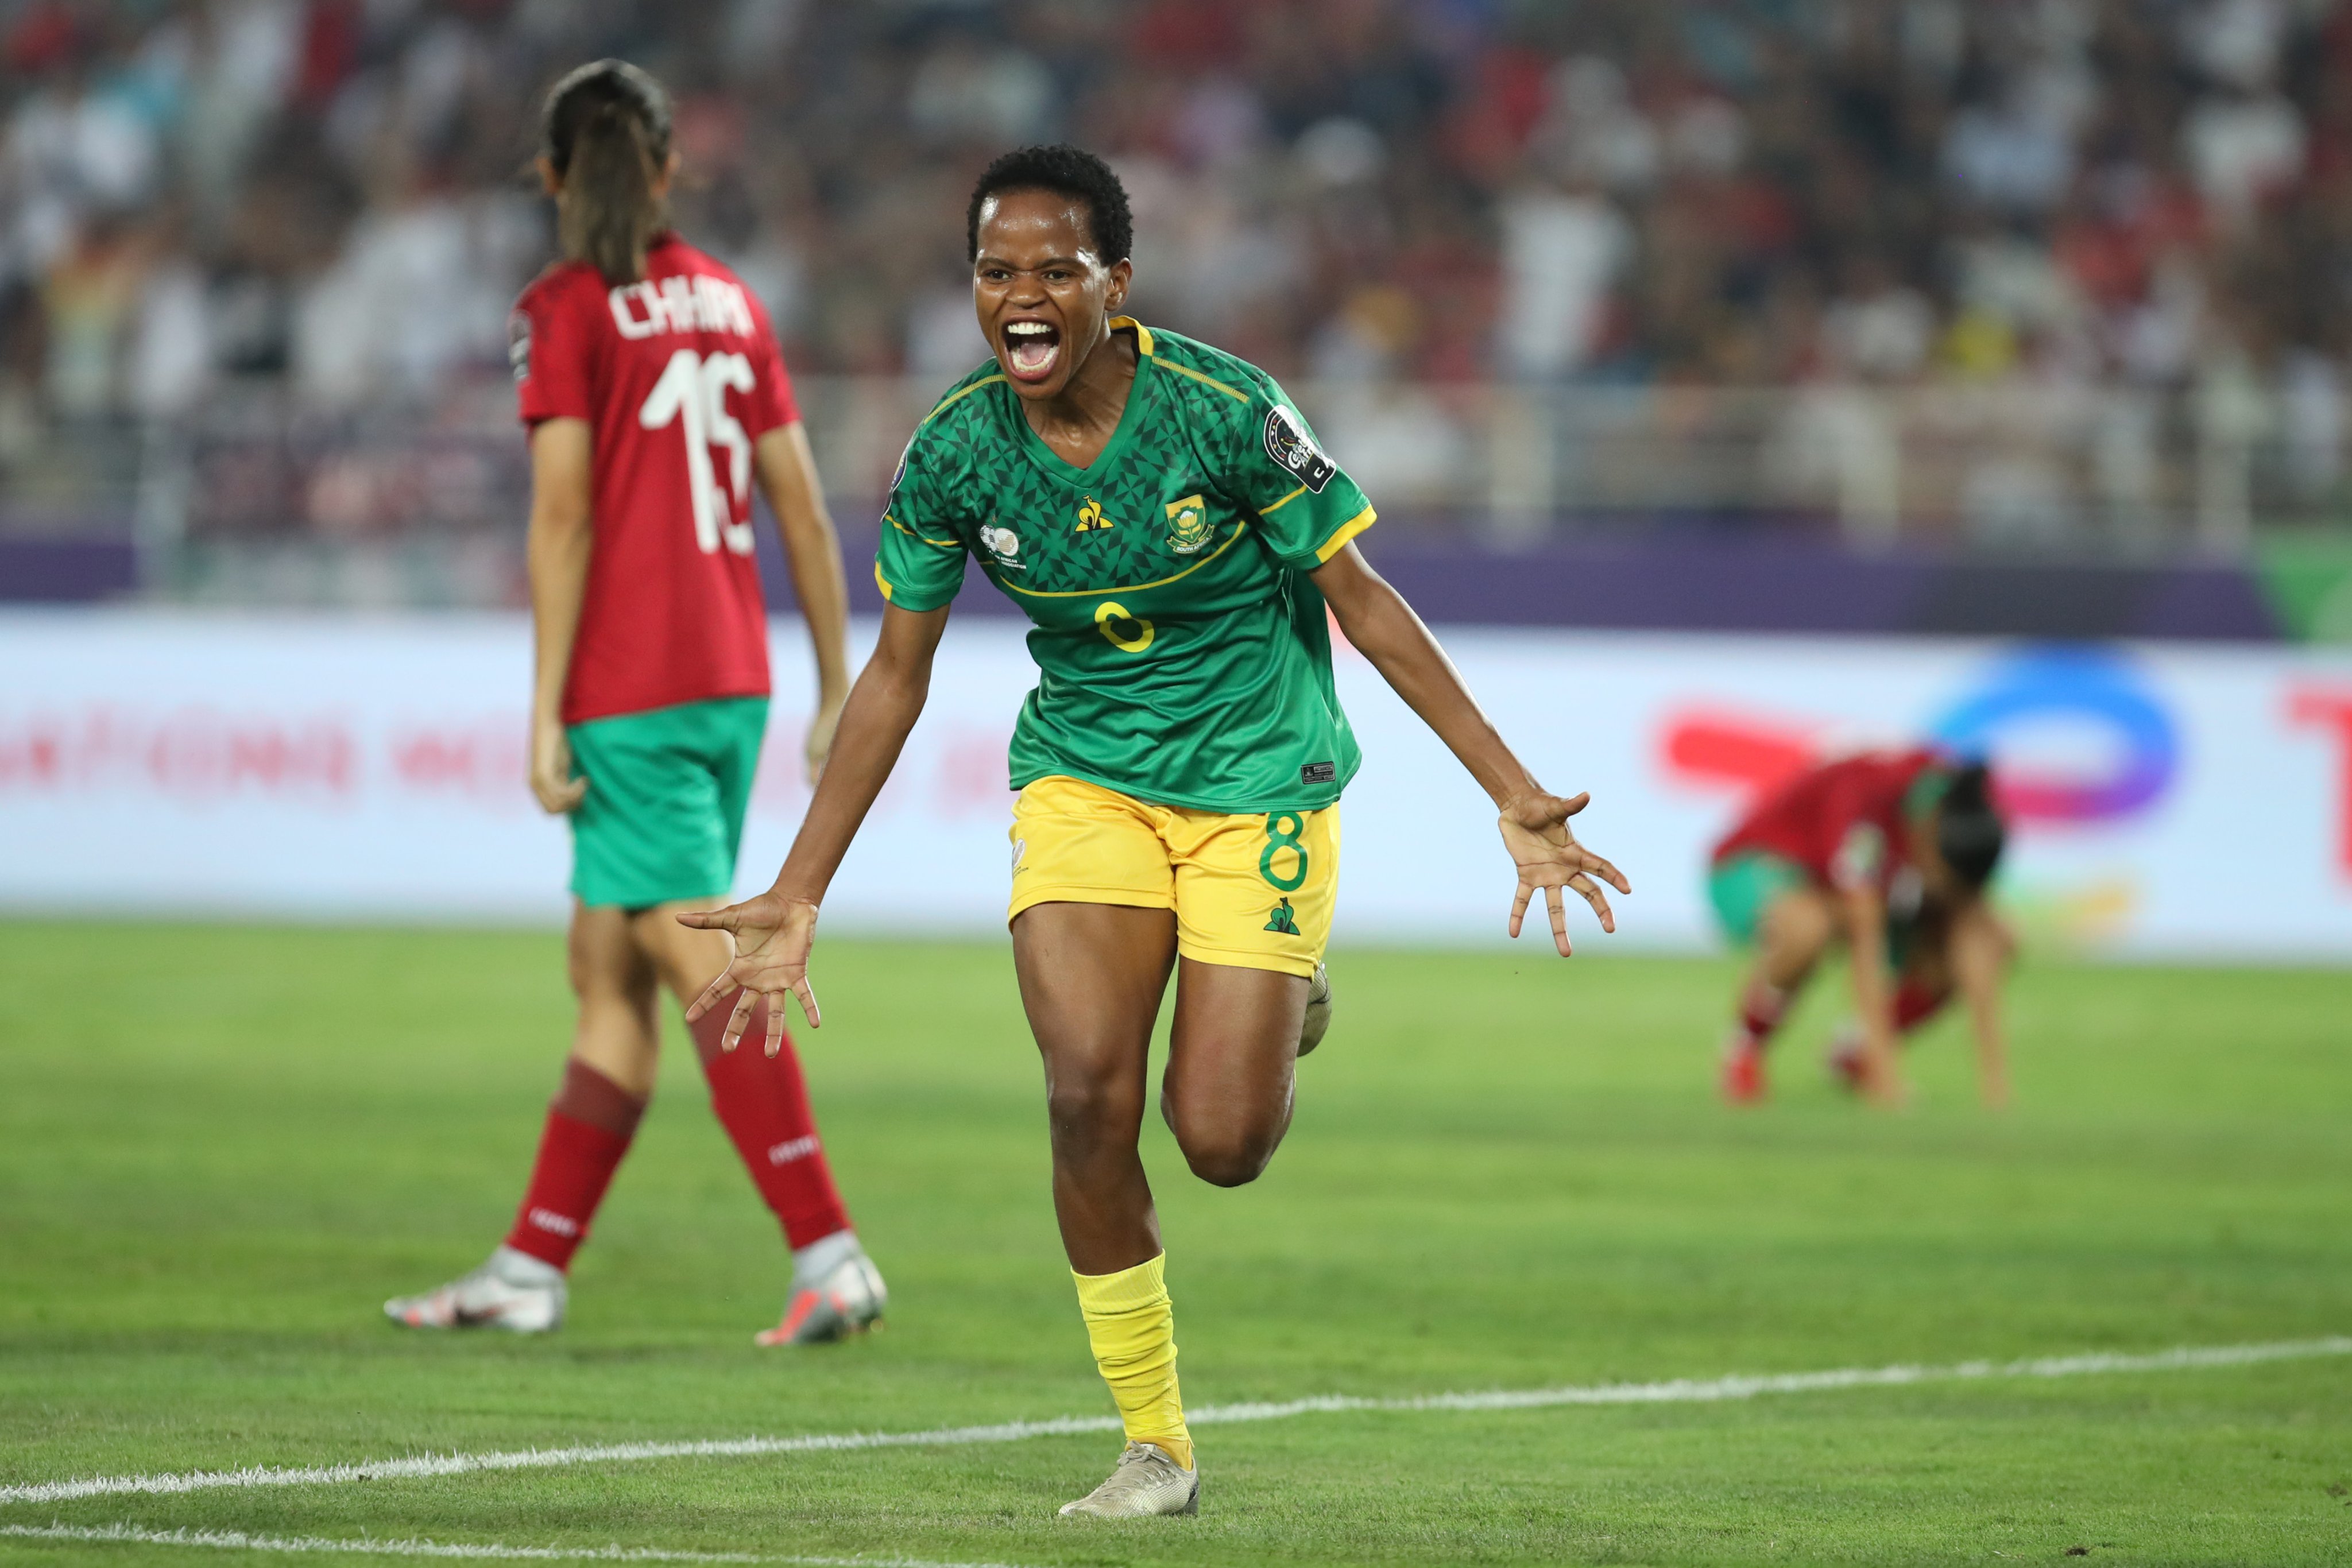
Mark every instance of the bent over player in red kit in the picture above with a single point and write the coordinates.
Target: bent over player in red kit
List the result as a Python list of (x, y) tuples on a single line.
[(655, 396), (1888, 853)]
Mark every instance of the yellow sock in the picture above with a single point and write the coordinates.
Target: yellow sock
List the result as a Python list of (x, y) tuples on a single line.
[(1133, 1330)]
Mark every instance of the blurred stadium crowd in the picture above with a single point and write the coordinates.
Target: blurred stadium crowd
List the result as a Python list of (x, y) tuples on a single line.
[(324, 201)]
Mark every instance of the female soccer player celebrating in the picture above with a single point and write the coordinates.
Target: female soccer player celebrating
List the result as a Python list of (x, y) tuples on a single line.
[(1165, 517), (655, 395)]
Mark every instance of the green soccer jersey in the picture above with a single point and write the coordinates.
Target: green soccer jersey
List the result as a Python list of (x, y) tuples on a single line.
[(1182, 654)]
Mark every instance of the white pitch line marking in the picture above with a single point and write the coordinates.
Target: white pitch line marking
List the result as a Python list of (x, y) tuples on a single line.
[(238, 1540), (425, 1465), (1678, 1391)]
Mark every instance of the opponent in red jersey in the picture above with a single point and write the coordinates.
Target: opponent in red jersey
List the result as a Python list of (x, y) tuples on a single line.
[(1890, 852), (656, 398)]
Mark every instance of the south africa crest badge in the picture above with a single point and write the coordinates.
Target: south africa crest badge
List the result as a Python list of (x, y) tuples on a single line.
[(1188, 525)]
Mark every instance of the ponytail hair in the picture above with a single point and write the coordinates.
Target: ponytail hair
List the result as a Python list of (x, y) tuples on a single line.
[(1969, 834), (606, 131)]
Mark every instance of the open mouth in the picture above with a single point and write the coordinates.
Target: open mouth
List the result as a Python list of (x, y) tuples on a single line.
[(1031, 348)]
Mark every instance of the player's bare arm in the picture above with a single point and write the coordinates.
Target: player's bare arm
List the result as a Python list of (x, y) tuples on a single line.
[(1980, 949), (557, 554), (1873, 992), (773, 931), (1533, 822), (786, 471)]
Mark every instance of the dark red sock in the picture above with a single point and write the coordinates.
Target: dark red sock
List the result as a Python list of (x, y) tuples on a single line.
[(589, 1125), (1761, 1007), (763, 1103), (1914, 1004)]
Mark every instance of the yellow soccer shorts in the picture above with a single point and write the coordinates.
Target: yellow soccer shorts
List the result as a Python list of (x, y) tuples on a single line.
[(1253, 889)]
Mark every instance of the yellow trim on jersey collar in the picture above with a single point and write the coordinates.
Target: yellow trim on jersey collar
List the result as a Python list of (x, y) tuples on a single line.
[(1240, 528), (1234, 394), (1142, 333), (1348, 530), (950, 400), (1144, 346)]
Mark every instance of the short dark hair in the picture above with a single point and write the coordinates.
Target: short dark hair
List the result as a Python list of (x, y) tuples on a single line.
[(1065, 170), (1969, 834)]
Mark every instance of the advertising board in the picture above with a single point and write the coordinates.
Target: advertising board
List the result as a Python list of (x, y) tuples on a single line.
[(2169, 802)]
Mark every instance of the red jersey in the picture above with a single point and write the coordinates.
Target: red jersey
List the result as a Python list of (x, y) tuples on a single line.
[(677, 377), (1844, 822)]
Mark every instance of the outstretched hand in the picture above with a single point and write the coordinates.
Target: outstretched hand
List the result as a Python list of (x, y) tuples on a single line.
[(772, 935), (1535, 832)]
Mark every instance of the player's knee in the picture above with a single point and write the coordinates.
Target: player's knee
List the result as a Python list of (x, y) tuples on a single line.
[(1796, 928), (1223, 1149), (1086, 1108), (579, 961), (608, 979), (683, 959), (1229, 1156), (600, 964)]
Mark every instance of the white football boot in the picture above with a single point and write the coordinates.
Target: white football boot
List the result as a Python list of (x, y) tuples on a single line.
[(1845, 1063), (1147, 1482), (1318, 1011), (513, 1290), (837, 1291)]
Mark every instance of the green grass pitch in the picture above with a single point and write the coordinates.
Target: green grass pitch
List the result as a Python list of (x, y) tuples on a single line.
[(220, 1148)]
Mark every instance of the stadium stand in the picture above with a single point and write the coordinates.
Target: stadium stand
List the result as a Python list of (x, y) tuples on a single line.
[(2013, 275)]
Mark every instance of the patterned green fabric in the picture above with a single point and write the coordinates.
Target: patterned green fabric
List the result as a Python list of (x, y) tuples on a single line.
[(1184, 657)]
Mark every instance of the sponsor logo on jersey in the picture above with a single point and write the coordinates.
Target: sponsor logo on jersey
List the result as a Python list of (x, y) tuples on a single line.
[(1188, 525), (1287, 443), (1859, 856), (1319, 773), (898, 475), (1091, 519), (682, 303), (1003, 544), (519, 345), (1282, 919)]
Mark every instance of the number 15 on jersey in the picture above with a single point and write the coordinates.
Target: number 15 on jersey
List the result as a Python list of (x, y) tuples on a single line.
[(692, 393)]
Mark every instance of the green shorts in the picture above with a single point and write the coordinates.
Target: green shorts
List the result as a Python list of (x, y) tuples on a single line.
[(666, 793), (1743, 886)]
